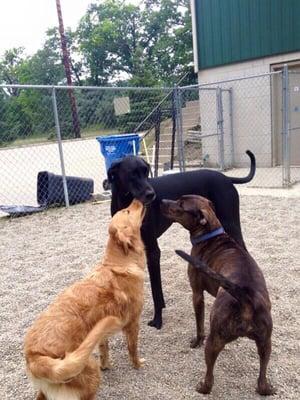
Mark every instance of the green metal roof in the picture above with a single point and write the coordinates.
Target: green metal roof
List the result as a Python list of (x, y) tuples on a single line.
[(229, 31)]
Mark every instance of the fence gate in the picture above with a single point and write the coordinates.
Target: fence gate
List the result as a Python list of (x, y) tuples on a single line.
[(294, 97), (206, 130)]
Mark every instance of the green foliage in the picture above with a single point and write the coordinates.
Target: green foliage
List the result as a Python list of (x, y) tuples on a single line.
[(15, 122), (141, 105), (168, 38), (108, 37), (117, 44), (96, 107), (146, 46)]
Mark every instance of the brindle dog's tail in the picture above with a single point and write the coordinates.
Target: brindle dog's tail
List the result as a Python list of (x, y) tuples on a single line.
[(241, 294)]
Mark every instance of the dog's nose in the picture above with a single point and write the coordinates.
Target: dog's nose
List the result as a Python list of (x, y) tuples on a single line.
[(149, 195)]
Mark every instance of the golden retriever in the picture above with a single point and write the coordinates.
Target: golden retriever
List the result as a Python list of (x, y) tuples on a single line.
[(59, 345)]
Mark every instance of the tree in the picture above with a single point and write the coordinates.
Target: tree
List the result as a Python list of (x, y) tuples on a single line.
[(168, 38), (53, 44), (3, 123), (115, 44), (144, 46), (28, 110), (10, 66), (14, 121), (108, 37)]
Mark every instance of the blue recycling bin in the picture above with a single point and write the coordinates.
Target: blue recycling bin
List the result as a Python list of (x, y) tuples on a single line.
[(115, 147)]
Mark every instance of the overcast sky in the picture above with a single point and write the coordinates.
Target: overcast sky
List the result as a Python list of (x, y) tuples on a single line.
[(24, 22)]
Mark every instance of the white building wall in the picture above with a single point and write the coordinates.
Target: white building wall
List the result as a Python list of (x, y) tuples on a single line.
[(252, 109)]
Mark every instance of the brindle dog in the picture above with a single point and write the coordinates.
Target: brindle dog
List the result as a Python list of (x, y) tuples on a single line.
[(226, 270)]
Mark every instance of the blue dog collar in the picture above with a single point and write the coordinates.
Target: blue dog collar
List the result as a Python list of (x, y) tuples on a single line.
[(202, 238)]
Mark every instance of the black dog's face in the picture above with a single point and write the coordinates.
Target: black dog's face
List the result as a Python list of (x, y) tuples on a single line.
[(130, 175), (190, 211)]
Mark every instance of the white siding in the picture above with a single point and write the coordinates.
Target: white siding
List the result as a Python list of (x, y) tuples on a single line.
[(252, 109)]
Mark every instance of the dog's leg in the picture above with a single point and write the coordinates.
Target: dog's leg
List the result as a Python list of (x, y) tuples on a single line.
[(198, 303), (41, 396), (264, 350), (87, 382), (104, 355), (214, 345), (131, 332), (153, 263)]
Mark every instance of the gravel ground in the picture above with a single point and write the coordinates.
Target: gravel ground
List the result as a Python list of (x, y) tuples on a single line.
[(42, 254)]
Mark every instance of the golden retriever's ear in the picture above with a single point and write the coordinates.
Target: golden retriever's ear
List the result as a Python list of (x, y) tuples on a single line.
[(124, 240), (123, 236)]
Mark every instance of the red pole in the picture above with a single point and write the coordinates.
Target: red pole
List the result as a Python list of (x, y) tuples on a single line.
[(66, 62)]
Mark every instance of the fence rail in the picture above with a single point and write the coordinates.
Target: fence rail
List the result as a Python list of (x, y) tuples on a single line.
[(208, 125)]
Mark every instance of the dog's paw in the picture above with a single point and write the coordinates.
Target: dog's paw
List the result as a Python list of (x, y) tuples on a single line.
[(196, 342), (156, 323), (139, 363), (265, 389), (203, 388)]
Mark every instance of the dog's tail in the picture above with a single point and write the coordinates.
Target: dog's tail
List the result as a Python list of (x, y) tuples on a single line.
[(241, 294), (251, 174), (58, 370)]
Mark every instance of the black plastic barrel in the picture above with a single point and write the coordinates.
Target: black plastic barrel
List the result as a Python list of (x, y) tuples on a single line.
[(50, 189)]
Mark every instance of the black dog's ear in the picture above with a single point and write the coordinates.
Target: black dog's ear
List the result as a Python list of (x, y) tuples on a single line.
[(147, 166), (113, 170)]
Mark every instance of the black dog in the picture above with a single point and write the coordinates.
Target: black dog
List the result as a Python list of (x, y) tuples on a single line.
[(129, 179)]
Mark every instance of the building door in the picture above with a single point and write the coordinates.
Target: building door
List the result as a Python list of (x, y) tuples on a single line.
[(294, 87), (294, 84)]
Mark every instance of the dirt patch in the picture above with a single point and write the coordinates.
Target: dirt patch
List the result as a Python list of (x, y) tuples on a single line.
[(42, 254)]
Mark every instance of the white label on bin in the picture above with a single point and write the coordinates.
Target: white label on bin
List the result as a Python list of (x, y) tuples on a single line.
[(110, 149)]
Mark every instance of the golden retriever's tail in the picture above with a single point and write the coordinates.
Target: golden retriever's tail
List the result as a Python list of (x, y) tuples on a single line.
[(58, 370)]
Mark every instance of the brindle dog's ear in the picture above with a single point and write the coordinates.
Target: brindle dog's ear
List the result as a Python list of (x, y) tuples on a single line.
[(202, 218), (113, 170), (212, 206), (199, 216)]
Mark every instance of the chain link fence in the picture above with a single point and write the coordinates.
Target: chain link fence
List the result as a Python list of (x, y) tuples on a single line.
[(49, 154), (259, 113)]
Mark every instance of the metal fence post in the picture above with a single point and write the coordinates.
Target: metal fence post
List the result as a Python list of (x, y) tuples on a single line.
[(60, 148), (230, 93), (157, 139), (286, 172), (220, 128), (179, 130), (173, 129)]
